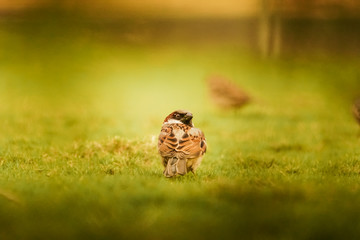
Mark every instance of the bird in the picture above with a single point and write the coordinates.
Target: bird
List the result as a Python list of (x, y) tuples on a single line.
[(181, 145), (225, 93), (356, 110)]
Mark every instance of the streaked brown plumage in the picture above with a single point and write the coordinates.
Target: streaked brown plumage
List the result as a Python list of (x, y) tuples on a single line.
[(180, 144), (356, 110), (225, 93)]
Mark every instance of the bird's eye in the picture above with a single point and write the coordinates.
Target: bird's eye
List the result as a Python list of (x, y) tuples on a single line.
[(176, 115)]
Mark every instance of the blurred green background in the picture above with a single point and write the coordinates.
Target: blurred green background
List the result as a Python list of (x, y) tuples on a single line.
[(85, 86)]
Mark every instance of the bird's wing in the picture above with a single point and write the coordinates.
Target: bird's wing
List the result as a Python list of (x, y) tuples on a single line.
[(192, 143), (181, 142), (167, 141)]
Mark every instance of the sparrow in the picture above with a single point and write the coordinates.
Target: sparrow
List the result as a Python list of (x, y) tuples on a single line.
[(356, 110), (181, 145), (225, 93)]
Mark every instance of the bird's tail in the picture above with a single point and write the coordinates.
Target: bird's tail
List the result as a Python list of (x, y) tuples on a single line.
[(175, 166)]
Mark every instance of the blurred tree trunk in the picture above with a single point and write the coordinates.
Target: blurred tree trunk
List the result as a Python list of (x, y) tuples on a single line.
[(270, 29), (277, 33), (264, 28)]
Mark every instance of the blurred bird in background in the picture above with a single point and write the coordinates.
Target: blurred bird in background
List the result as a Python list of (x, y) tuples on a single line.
[(225, 93), (180, 144), (356, 109)]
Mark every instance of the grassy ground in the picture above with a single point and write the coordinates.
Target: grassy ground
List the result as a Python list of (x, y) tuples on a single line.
[(78, 160)]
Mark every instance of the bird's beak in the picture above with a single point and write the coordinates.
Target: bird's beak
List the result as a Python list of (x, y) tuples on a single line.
[(188, 116)]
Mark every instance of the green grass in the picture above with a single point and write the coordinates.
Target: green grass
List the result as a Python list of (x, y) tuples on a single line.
[(79, 120)]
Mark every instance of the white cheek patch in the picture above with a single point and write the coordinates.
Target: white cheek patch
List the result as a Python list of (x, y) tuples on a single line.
[(171, 121)]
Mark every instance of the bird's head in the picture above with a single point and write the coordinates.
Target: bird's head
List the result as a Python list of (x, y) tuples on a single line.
[(180, 116)]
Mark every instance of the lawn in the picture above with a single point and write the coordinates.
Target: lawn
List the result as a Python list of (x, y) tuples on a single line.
[(79, 119)]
